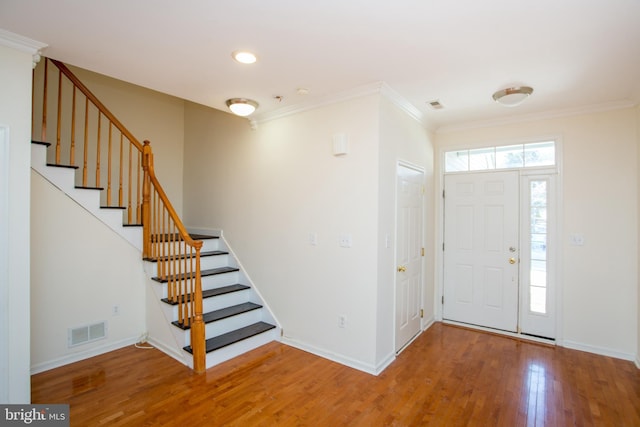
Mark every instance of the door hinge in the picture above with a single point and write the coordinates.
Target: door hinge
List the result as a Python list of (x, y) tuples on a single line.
[(421, 313), (442, 299), (442, 246), (423, 189), (443, 194), (422, 251)]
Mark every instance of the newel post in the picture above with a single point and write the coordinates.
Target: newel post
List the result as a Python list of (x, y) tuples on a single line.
[(147, 164), (198, 344)]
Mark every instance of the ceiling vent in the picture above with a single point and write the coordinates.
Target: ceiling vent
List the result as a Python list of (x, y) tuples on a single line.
[(435, 105)]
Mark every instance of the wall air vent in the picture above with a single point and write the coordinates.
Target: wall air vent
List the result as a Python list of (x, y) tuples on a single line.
[(435, 104), (86, 334)]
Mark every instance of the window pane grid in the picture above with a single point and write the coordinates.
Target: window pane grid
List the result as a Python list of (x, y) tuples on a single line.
[(534, 154), (538, 253)]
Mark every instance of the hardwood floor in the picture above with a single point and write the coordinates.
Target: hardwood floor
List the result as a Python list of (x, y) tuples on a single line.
[(449, 376)]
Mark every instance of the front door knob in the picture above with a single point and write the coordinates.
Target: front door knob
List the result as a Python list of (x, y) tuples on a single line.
[(512, 260), (402, 269)]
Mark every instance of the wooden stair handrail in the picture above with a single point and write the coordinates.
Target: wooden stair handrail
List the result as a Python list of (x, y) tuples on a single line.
[(197, 329), (194, 314), (67, 72), (147, 166)]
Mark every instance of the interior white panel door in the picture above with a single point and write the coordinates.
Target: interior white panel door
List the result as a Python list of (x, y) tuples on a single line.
[(481, 249), (408, 254)]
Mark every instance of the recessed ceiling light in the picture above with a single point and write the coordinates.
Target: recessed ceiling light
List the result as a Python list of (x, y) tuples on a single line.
[(244, 57)]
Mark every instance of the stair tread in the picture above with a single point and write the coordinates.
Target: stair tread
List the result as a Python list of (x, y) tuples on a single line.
[(209, 293), (62, 166), (232, 337), (82, 187), (202, 254), (194, 236), (223, 313), (203, 273)]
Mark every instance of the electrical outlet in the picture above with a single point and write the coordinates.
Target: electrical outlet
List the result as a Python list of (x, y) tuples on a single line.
[(313, 239), (342, 321), (116, 310), (345, 241)]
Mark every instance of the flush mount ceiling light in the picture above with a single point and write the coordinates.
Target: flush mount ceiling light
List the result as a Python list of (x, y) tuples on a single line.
[(244, 57), (512, 96), (241, 106)]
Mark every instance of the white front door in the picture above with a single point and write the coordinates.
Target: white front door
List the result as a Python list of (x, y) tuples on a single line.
[(481, 249), (408, 254)]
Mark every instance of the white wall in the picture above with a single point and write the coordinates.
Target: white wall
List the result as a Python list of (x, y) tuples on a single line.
[(77, 281), (599, 281), (402, 138), (269, 189), (15, 116)]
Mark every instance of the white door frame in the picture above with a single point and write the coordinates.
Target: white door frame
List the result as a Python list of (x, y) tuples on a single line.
[(4, 259), (559, 198), (421, 170)]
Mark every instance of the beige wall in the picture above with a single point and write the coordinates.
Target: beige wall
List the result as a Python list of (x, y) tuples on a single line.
[(269, 189), (15, 119), (149, 115), (599, 175)]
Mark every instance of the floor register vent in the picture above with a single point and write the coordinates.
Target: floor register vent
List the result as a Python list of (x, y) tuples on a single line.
[(87, 334)]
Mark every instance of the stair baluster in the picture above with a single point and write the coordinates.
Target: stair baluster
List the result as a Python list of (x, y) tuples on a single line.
[(164, 236)]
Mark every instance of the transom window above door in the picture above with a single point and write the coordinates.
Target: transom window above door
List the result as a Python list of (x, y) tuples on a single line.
[(535, 154)]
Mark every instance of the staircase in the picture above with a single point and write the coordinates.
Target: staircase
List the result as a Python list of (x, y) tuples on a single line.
[(215, 312), (235, 318)]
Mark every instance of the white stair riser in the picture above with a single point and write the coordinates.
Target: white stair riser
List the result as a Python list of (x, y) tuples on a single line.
[(163, 247), (208, 282), (236, 349), (206, 262), (218, 280), (221, 301), (214, 303), (64, 179), (229, 324)]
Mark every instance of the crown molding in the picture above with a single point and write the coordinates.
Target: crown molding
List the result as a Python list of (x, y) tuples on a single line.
[(401, 102), (545, 115), (20, 43), (369, 89)]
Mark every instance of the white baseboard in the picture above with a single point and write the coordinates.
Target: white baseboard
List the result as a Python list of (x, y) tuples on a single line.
[(638, 362), (76, 357), (338, 358), (428, 323), (600, 350), (168, 350)]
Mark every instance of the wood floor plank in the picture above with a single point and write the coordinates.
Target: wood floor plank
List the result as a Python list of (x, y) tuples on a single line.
[(449, 376)]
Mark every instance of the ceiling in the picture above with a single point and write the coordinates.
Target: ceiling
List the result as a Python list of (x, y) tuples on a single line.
[(576, 54)]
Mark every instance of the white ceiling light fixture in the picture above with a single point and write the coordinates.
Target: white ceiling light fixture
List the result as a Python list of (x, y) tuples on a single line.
[(512, 96), (241, 106), (244, 57)]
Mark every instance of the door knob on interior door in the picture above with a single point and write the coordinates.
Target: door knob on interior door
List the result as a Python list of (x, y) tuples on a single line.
[(512, 260), (402, 268)]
